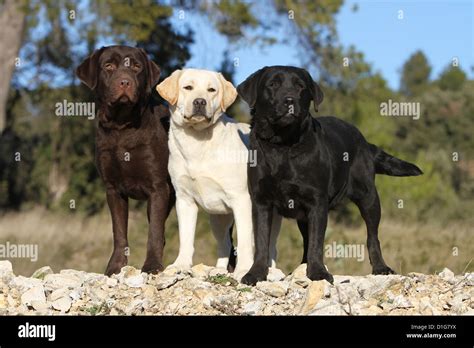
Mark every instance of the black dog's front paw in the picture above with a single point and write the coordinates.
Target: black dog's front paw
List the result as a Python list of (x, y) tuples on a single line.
[(320, 275), (252, 278), (383, 270)]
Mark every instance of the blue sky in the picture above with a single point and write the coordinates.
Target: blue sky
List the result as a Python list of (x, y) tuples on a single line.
[(441, 29)]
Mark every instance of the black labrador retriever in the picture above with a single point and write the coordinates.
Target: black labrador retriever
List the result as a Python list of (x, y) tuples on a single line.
[(131, 145), (306, 165)]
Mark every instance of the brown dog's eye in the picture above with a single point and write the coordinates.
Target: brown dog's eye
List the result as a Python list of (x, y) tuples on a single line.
[(211, 90), (136, 66), (189, 88), (109, 66)]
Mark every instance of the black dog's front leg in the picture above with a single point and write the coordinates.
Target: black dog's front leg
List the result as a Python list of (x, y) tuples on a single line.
[(262, 221), (317, 222), (118, 206)]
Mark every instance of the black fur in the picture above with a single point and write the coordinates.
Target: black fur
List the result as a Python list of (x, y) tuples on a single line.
[(306, 165)]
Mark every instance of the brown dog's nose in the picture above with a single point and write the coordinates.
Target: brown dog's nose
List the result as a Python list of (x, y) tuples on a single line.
[(199, 102), (124, 83)]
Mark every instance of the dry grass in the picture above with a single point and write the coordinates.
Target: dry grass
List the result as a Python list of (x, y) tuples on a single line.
[(85, 243)]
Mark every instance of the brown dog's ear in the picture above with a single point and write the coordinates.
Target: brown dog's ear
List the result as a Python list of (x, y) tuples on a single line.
[(88, 72), (248, 89), (229, 93), (153, 70), (169, 88)]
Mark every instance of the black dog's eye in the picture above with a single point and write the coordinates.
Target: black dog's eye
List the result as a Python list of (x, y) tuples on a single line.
[(273, 84), (211, 90), (189, 88), (109, 66)]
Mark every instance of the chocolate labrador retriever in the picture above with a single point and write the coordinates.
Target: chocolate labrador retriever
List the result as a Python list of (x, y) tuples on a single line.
[(307, 165), (131, 146)]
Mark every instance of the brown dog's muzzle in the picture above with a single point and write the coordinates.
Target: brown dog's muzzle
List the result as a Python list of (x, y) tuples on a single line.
[(123, 89)]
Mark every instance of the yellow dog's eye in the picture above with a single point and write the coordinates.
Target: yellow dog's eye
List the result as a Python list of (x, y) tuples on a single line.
[(189, 88), (211, 90)]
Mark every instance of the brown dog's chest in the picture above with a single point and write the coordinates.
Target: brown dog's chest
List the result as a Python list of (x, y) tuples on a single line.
[(131, 161)]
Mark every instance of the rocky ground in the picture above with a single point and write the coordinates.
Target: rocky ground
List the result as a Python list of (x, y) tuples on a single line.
[(210, 291)]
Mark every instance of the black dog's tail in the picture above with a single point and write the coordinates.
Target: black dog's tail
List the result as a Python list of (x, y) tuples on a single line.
[(390, 165), (233, 253)]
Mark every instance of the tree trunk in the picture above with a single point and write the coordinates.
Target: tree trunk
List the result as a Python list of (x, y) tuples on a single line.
[(12, 25)]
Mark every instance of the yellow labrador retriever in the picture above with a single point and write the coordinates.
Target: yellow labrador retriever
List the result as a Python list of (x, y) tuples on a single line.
[(208, 164)]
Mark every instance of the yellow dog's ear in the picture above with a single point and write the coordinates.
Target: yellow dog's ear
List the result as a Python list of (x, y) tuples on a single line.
[(169, 88), (229, 93)]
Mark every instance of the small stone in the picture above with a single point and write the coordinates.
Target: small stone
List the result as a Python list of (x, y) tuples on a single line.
[(314, 293), (275, 274), (299, 277), (275, 289), (34, 294), (447, 275), (200, 271), (252, 308), (163, 281), (111, 282), (62, 304), (57, 281), (402, 302), (23, 283), (42, 272)]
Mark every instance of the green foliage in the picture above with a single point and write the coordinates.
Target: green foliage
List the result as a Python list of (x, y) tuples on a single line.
[(452, 78), (415, 74)]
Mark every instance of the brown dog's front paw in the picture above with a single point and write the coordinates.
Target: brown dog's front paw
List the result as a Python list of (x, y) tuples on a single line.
[(115, 266), (152, 267)]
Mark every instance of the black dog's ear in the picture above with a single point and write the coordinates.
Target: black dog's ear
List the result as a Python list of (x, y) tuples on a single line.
[(318, 96), (248, 89), (88, 70), (153, 71), (316, 91)]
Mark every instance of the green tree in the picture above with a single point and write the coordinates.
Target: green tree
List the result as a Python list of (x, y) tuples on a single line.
[(452, 78), (415, 74)]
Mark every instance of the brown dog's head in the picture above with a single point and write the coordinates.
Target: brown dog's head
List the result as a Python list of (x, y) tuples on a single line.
[(119, 74)]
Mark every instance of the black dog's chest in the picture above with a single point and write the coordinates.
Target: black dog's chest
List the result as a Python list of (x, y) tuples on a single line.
[(284, 183)]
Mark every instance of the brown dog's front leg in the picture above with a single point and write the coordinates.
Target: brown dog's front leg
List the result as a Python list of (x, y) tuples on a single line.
[(118, 206), (157, 213)]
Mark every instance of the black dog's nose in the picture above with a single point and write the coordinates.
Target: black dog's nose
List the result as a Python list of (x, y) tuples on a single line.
[(124, 83), (289, 101), (199, 102)]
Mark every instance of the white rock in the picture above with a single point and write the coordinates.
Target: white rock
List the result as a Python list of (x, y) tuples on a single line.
[(111, 282), (252, 308), (447, 275), (62, 304), (200, 271), (402, 302), (314, 293), (34, 294), (275, 289), (135, 281), (275, 274), (57, 281), (299, 277), (23, 283), (6, 271), (164, 281)]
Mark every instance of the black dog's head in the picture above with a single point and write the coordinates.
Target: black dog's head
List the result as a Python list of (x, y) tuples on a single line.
[(119, 75), (281, 95)]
